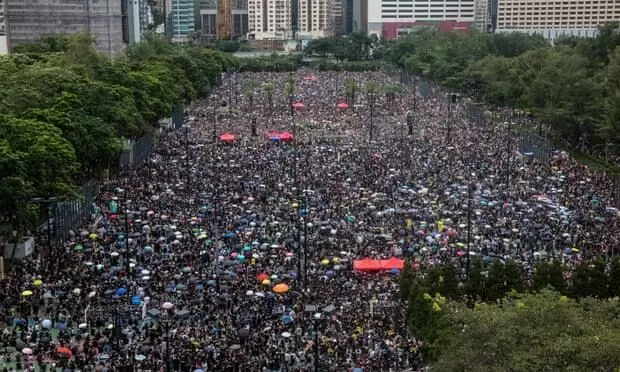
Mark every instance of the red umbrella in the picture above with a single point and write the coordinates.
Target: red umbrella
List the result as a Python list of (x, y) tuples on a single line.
[(298, 105), (227, 137), (286, 137), (65, 351), (343, 105)]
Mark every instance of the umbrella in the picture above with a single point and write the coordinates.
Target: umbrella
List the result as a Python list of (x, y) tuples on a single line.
[(27, 293), (37, 283), (27, 351), (262, 277), (286, 137), (280, 288), (227, 137), (298, 105), (64, 350), (121, 291), (343, 105)]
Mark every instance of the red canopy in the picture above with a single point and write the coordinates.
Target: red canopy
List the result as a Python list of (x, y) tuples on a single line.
[(393, 263), (311, 77), (227, 137), (286, 137), (343, 105), (298, 105), (367, 264)]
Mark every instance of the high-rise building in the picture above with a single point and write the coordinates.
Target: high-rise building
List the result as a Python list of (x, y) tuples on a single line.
[(239, 18), (359, 15), (390, 18), (27, 21), (270, 19), (182, 20), (4, 48), (338, 13), (481, 15), (316, 18), (553, 18), (138, 19), (208, 19)]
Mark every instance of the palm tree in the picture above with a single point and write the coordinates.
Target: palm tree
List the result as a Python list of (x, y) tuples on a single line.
[(269, 90), (350, 88), (250, 90), (371, 91), (289, 89)]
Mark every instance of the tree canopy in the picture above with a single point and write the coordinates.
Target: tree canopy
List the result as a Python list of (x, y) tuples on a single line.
[(64, 109)]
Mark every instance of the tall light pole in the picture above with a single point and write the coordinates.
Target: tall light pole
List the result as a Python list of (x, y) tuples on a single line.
[(167, 306), (469, 207), (126, 217), (48, 204)]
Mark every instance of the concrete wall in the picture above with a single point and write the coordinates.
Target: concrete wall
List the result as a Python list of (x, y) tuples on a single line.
[(29, 20)]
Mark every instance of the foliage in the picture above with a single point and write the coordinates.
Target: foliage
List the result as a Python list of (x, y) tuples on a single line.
[(64, 110), (353, 47), (573, 87), (351, 66), (530, 332), (276, 63)]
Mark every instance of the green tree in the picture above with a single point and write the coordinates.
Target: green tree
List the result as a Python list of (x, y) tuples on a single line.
[(546, 331)]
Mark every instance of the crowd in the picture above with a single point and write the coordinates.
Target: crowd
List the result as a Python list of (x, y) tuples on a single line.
[(237, 255)]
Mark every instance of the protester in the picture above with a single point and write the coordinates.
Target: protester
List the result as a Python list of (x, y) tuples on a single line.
[(213, 238)]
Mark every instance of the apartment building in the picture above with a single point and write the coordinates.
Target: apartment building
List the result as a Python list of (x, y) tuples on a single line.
[(553, 18), (182, 24), (390, 18), (4, 48), (138, 19), (27, 21), (339, 14), (316, 18), (270, 20)]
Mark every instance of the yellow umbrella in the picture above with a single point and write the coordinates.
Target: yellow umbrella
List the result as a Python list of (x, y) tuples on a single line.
[(27, 293), (325, 262), (266, 282), (295, 205), (37, 283), (93, 236), (336, 259), (280, 288)]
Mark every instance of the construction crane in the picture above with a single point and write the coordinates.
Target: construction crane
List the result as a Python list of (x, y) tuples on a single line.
[(224, 18)]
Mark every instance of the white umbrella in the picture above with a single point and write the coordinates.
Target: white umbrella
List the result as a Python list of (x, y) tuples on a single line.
[(27, 351)]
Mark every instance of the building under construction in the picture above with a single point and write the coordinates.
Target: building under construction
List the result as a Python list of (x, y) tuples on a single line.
[(224, 19)]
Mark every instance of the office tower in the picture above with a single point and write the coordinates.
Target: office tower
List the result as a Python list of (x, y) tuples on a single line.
[(208, 19), (4, 48), (359, 15), (391, 18), (138, 19), (182, 20), (315, 18), (239, 21), (338, 13), (553, 18), (481, 15), (269, 19), (27, 21)]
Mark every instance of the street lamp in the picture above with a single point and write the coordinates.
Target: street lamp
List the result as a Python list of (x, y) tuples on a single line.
[(48, 202), (167, 306), (126, 216), (453, 100), (186, 126), (469, 207), (316, 318), (214, 121)]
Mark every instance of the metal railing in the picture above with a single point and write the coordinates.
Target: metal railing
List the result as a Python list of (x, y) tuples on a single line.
[(531, 144), (69, 214)]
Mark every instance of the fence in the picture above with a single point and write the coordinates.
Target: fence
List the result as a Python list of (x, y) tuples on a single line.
[(531, 144), (137, 152), (70, 213)]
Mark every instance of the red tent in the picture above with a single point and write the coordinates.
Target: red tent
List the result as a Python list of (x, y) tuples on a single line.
[(286, 137), (392, 263), (298, 105), (367, 264), (227, 137), (343, 105)]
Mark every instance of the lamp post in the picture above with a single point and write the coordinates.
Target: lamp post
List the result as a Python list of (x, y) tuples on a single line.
[(316, 319), (187, 156), (214, 122), (167, 306), (48, 203), (126, 217), (305, 222), (469, 207), (453, 100), (509, 149)]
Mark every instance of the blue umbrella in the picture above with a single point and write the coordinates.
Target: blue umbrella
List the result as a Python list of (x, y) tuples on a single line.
[(199, 370), (136, 300), (230, 234), (121, 291), (395, 271), (358, 370), (240, 258), (287, 319)]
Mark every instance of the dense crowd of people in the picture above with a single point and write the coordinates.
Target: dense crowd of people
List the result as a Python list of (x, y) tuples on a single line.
[(237, 255)]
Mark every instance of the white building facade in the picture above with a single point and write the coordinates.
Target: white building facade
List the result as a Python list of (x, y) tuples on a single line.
[(316, 18), (270, 20), (387, 17), (554, 18)]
